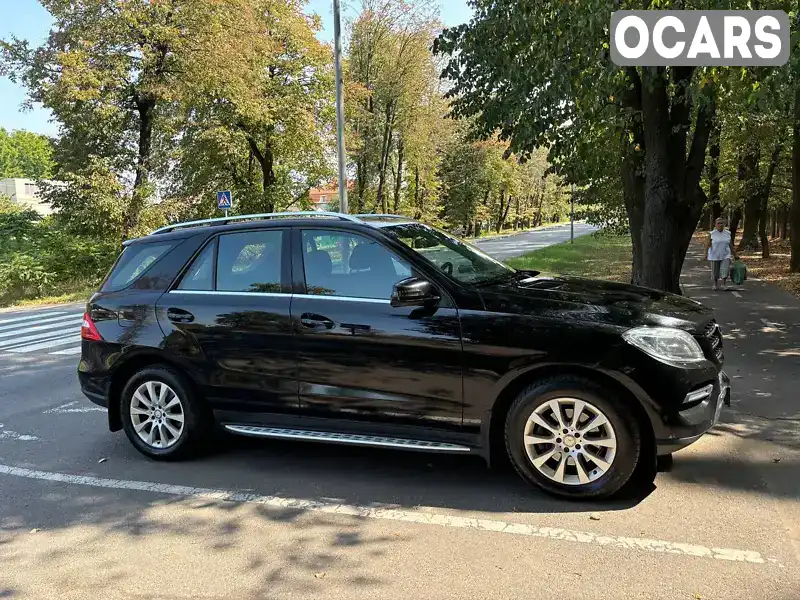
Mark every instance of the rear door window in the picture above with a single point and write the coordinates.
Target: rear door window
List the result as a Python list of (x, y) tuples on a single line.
[(250, 261), (133, 263)]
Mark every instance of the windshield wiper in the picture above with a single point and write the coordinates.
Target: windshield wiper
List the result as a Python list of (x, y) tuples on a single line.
[(508, 276)]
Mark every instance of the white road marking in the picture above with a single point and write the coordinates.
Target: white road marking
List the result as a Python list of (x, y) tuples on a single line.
[(30, 317), (405, 516), (38, 336), (42, 321), (75, 350), (62, 341), (65, 408), (41, 328), (7, 434), (737, 294)]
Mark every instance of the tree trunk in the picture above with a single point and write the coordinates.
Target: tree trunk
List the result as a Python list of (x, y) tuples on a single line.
[(750, 175), (399, 177), (674, 199), (773, 221), (762, 226), (785, 223), (386, 146), (633, 187), (736, 218), (794, 225), (715, 209), (537, 220), (266, 161), (766, 190), (145, 106), (633, 178), (502, 211), (658, 224)]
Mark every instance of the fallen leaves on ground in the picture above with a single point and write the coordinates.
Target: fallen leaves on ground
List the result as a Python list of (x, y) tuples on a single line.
[(774, 269)]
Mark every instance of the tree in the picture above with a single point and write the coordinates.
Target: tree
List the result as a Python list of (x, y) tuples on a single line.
[(110, 71), (795, 79), (392, 81), (259, 106), (25, 154), (538, 73)]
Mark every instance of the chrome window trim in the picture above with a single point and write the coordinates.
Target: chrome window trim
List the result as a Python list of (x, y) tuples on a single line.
[(343, 298), (279, 295), (225, 293)]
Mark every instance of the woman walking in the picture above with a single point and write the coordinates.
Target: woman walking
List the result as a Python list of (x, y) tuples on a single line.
[(720, 253)]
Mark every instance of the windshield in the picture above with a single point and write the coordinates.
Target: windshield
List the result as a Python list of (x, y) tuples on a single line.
[(456, 258)]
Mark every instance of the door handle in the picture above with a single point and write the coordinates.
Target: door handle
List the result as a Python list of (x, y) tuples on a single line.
[(354, 327), (312, 321), (178, 315)]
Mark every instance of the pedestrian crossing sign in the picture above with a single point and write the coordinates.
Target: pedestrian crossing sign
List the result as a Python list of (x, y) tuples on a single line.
[(224, 200)]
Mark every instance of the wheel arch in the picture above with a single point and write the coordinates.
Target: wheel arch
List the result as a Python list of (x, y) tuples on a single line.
[(126, 368), (643, 409)]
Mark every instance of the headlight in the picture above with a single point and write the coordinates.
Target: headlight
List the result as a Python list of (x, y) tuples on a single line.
[(666, 344)]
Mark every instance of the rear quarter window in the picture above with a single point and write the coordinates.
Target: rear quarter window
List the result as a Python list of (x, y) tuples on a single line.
[(133, 263)]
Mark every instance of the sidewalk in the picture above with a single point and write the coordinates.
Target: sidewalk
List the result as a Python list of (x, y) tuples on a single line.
[(758, 439), (761, 325)]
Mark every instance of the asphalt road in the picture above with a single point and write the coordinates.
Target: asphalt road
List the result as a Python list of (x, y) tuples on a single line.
[(84, 516), (512, 246)]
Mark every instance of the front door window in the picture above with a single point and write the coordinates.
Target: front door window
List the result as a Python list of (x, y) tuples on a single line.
[(349, 265)]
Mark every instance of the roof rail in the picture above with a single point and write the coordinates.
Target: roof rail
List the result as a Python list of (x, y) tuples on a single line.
[(383, 216), (226, 220)]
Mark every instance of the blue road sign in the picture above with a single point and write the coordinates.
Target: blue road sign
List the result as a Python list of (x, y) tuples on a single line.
[(225, 200)]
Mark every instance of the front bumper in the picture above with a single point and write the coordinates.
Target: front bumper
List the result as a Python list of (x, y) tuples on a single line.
[(689, 424)]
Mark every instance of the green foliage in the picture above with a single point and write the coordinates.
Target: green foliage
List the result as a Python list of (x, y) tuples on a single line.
[(25, 154), (40, 256)]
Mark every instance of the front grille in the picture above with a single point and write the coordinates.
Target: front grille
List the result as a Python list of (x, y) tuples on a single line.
[(714, 336)]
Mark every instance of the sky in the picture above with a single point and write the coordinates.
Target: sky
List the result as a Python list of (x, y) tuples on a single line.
[(26, 19)]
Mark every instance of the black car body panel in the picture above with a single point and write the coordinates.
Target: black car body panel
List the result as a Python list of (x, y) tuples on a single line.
[(361, 364)]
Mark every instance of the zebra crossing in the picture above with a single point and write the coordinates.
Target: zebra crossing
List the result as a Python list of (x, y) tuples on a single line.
[(56, 332)]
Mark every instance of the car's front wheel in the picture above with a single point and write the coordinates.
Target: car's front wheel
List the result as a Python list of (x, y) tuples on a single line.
[(161, 416), (573, 439)]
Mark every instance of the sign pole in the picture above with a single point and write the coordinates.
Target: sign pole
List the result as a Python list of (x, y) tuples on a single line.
[(337, 35), (572, 216)]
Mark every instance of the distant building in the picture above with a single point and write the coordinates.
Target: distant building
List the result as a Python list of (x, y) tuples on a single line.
[(327, 197), (25, 192)]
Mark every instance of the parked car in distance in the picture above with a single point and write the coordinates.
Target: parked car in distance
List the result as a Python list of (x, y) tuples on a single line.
[(380, 331)]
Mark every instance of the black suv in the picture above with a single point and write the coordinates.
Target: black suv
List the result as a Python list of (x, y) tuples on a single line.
[(378, 330)]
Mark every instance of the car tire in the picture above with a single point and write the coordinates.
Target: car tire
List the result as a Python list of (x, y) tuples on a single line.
[(586, 474), (180, 410)]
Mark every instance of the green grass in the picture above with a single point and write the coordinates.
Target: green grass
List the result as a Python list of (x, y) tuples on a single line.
[(597, 256), (78, 292)]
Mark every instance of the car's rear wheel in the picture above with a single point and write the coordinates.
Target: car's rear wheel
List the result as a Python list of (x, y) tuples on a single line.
[(161, 416), (572, 438)]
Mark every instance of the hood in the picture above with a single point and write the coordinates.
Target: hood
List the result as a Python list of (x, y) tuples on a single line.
[(617, 304)]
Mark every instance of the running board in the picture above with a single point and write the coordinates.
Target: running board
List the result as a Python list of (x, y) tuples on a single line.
[(345, 438)]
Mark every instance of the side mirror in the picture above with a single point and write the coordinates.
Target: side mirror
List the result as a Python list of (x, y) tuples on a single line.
[(414, 292)]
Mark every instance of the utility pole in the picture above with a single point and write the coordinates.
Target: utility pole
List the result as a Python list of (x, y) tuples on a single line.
[(572, 215), (337, 35)]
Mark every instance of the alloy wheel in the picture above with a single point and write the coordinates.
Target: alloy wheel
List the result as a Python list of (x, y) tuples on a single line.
[(157, 414), (570, 441)]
